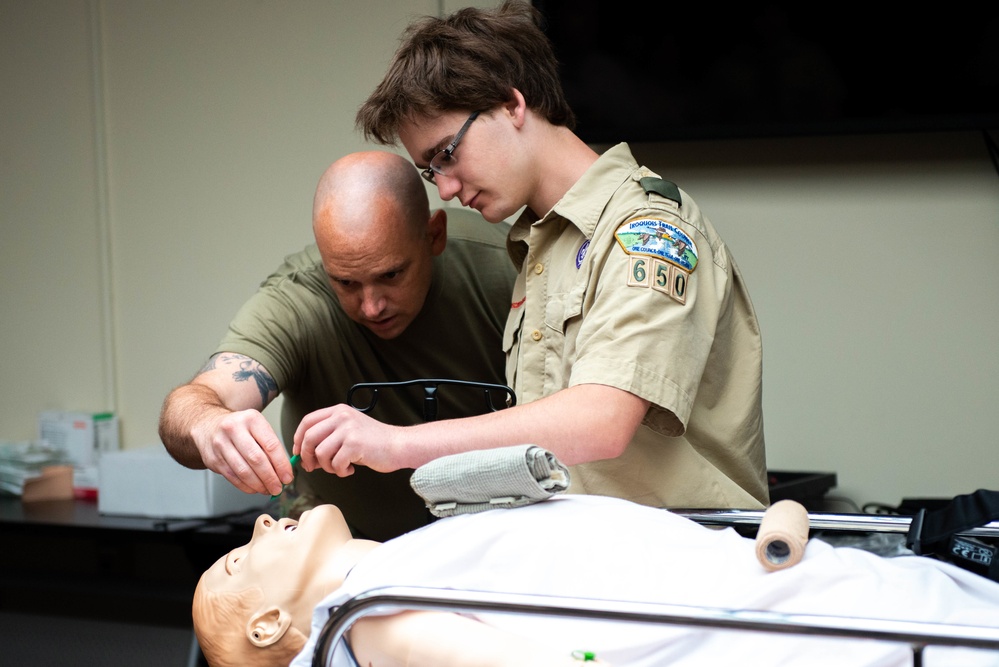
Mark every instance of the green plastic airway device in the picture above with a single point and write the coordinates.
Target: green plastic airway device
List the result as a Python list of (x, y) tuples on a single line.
[(294, 462)]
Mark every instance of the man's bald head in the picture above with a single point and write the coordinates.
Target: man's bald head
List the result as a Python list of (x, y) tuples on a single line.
[(364, 187), (377, 238)]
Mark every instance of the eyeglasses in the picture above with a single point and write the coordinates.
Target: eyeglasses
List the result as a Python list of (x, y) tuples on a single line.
[(443, 162)]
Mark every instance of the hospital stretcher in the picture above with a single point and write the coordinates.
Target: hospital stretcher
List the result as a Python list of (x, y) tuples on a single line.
[(917, 635), (396, 599)]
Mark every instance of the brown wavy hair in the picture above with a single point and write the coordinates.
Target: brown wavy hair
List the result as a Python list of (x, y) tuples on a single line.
[(469, 60)]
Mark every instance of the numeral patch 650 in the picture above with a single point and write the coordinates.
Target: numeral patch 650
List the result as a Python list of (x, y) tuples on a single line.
[(659, 275)]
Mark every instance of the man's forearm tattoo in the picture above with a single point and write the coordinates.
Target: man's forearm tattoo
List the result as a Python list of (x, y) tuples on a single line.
[(248, 369)]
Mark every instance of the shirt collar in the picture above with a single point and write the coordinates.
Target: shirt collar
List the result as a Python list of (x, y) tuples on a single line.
[(586, 199)]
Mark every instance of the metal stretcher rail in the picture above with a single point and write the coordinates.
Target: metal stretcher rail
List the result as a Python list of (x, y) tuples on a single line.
[(395, 599), (824, 521)]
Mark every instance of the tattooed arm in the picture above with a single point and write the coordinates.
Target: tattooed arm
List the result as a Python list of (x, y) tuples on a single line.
[(214, 422)]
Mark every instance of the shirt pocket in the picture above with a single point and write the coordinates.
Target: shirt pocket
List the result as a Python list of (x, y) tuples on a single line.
[(560, 309)]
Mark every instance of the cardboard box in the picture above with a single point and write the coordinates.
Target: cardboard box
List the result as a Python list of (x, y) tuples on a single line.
[(83, 437), (148, 482)]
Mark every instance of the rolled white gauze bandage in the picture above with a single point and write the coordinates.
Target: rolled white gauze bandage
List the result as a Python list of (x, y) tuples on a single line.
[(783, 534), (488, 479)]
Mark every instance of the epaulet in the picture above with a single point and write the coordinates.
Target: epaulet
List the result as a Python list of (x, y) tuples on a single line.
[(666, 189)]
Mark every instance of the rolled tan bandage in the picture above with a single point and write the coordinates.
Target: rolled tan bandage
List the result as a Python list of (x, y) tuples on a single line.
[(783, 534)]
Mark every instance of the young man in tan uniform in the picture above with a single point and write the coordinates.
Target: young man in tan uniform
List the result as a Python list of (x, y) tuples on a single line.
[(632, 343), (645, 298)]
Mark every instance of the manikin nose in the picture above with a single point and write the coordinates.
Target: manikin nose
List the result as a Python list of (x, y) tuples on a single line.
[(263, 523)]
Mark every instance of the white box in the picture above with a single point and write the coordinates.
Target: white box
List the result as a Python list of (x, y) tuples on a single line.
[(148, 482), (83, 437)]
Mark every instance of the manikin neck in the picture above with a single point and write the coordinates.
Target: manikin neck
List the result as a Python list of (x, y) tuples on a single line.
[(343, 561)]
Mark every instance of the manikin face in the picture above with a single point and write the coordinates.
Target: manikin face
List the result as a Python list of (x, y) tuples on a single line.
[(380, 271), (489, 173), (288, 560)]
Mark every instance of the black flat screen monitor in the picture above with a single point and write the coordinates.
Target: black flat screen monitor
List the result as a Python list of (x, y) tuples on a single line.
[(657, 71)]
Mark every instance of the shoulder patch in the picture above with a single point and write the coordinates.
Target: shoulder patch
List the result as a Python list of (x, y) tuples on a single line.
[(660, 187), (657, 238)]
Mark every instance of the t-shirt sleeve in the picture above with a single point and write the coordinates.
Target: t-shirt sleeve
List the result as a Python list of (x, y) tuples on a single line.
[(278, 324)]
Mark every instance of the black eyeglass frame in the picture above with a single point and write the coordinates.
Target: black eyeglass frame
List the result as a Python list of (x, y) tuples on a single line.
[(448, 152)]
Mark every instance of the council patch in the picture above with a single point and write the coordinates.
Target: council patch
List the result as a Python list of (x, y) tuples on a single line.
[(658, 238)]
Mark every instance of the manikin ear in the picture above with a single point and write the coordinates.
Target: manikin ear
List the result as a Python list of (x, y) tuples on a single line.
[(267, 626), (437, 230)]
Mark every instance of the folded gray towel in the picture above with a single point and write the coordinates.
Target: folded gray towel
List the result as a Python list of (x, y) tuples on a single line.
[(489, 479)]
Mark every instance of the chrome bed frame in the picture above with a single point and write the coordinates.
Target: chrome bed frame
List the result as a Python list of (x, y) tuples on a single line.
[(917, 635), (743, 520), (396, 599)]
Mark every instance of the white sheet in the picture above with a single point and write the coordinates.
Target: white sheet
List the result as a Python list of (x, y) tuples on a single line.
[(594, 547)]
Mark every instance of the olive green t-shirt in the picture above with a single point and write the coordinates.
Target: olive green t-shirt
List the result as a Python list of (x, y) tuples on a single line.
[(295, 328)]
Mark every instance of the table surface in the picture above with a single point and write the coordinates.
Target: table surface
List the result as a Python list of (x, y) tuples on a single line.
[(84, 514), (66, 558)]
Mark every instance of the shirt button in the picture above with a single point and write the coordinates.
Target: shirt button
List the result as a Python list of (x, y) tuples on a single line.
[(539, 268), (536, 335)]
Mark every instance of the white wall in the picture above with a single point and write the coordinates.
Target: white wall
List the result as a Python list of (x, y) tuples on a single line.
[(871, 262), (51, 245), (158, 159)]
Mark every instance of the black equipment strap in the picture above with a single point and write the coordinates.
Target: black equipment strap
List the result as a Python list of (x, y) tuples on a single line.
[(935, 533)]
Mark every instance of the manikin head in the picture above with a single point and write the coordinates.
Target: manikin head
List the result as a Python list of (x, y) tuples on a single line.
[(253, 607), (494, 62), (377, 239)]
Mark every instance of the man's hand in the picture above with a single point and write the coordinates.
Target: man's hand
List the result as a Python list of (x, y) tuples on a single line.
[(242, 447), (214, 422), (337, 437)]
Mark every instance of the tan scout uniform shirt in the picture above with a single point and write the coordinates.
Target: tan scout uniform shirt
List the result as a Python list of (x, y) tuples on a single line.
[(629, 289)]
